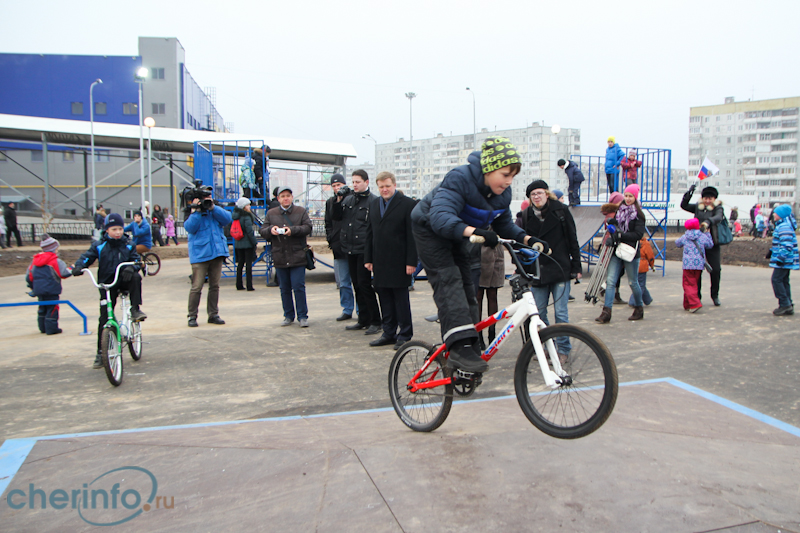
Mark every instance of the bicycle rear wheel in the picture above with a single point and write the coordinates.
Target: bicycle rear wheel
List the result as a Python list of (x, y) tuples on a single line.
[(111, 355), (584, 402), (135, 341), (426, 409), (152, 263)]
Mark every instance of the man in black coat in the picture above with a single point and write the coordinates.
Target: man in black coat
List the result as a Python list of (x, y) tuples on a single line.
[(391, 256), (354, 213), (341, 268), (575, 178), (10, 216)]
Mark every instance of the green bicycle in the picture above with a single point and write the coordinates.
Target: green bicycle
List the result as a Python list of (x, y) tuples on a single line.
[(114, 332)]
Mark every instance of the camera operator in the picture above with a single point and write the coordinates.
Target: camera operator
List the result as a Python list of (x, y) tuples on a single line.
[(353, 211), (208, 248), (341, 268)]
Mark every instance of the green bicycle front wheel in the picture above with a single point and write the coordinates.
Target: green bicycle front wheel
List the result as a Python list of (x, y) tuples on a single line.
[(111, 355)]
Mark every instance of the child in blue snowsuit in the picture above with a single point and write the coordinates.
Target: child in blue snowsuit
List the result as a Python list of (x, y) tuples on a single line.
[(783, 257)]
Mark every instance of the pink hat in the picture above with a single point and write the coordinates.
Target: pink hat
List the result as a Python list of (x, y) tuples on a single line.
[(615, 198), (692, 223), (633, 189)]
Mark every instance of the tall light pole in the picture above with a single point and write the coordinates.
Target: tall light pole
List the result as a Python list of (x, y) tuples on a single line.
[(474, 128), (91, 122), (149, 122), (410, 97), (140, 77), (368, 136), (556, 129)]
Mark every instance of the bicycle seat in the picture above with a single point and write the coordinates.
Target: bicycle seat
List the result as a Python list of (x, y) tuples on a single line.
[(432, 318)]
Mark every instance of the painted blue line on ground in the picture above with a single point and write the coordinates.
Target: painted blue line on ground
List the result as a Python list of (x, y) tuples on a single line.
[(13, 452)]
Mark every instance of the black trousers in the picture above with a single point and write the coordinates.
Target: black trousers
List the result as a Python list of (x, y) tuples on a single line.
[(134, 290), (245, 258), (612, 182), (396, 311), (156, 234), (714, 258), (15, 231), (447, 264), (369, 314), (48, 314)]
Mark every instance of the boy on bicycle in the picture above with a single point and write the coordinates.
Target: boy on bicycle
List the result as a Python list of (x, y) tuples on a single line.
[(470, 199), (112, 249), (142, 235)]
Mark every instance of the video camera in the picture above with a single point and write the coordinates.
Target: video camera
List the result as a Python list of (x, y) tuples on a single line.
[(189, 194)]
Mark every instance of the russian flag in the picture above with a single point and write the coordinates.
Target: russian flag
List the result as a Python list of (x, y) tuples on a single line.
[(707, 170)]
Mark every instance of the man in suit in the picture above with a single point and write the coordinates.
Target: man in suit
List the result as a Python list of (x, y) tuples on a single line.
[(391, 256)]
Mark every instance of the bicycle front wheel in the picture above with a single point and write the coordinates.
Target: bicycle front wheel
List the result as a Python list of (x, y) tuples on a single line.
[(135, 341), (111, 354), (152, 264), (426, 409), (586, 398)]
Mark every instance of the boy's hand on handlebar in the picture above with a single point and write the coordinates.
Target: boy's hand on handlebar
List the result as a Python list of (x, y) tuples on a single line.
[(77, 270), (489, 237)]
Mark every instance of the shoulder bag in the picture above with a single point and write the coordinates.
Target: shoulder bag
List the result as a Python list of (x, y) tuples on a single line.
[(626, 252)]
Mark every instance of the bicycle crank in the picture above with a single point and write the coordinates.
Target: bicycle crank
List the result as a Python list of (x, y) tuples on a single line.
[(465, 383)]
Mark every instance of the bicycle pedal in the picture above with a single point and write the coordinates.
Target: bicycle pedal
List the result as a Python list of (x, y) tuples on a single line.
[(471, 377)]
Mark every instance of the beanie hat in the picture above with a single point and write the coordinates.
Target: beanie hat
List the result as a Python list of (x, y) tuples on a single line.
[(558, 194), (114, 219), (48, 243), (242, 202), (632, 152), (633, 189), (615, 198), (538, 184), (138, 213), (338, 178), (692, 223), (709, 191), (612, 140), (496, 153), (783, 210)]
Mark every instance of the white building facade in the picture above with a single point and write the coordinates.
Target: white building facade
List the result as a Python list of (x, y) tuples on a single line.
[(754, 144), (432, 158)]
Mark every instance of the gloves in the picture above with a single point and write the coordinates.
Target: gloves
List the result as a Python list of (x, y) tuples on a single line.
[(616, 238), (769, 254), (692, 188), (77, 270), (704, 227), (489, 237), (541, 247), (126, 274)]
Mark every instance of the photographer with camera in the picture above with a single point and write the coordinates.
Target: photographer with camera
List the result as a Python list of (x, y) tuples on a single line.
[(204, 222), (341, 269), (288, 225), (353, 211)]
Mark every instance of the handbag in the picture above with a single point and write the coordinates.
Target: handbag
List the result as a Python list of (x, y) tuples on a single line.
[(626, 252), (707, 265), (724, 234), (310, 259)]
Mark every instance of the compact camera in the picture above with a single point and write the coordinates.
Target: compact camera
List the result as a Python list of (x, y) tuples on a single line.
[(281, 231)]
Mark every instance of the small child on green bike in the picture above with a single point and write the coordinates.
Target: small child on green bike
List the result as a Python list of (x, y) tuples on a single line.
[(112, 249)]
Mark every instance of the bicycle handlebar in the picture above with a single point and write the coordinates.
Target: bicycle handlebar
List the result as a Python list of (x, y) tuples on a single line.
[(116, 275), (532, 253)]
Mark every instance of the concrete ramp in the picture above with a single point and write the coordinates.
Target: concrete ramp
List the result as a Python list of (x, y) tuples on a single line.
[(588, 220)]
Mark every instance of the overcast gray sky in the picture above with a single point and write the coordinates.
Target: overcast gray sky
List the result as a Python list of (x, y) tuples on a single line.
[(336, 70)]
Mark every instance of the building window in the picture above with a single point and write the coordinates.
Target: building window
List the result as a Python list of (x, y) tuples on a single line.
[(77, 108), (157, 73), (159, 109), (130, 108), (100, 108), (132, 155), (102, 156), (36, 155), (68, 157)]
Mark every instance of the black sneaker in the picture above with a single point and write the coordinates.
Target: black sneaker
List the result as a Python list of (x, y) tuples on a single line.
[(137, 315), (783, 311), (98, 362), (464, 357)]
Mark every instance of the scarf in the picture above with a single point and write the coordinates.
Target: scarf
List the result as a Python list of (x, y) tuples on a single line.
[(625, 214)]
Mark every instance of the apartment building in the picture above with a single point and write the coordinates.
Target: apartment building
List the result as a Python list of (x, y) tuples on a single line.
[(432, 158), (753, 143)]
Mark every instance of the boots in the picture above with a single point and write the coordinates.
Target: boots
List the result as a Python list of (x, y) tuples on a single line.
[(605, 316), (492, 333), (638, 313)]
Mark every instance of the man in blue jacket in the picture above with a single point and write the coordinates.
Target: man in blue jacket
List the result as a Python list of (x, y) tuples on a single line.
[(208, 248), (470, 199), (142, 236), (614, 156)]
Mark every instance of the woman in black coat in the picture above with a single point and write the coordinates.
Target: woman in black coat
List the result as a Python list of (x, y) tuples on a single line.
[(710, 213), (244, 248)]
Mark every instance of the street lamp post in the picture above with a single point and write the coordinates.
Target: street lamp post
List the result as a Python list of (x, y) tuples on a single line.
[(91, 122), (149, 122), (474, 128), (556, 129), (410, 97), (140, 77), (368, 136)]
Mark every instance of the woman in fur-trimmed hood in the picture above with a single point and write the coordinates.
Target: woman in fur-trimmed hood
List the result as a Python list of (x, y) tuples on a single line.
[(710, 213)]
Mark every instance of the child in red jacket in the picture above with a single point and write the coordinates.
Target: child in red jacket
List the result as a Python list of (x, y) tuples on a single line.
[(629, 166), (44, 278)]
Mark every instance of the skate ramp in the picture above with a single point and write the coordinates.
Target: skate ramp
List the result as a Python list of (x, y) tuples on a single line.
[(588, 220)]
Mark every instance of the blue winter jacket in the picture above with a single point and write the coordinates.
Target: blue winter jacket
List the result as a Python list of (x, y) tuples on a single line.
[(783, 253), (462, 199), (141, 233), (694, 256), (614, 157), (206, 238)]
